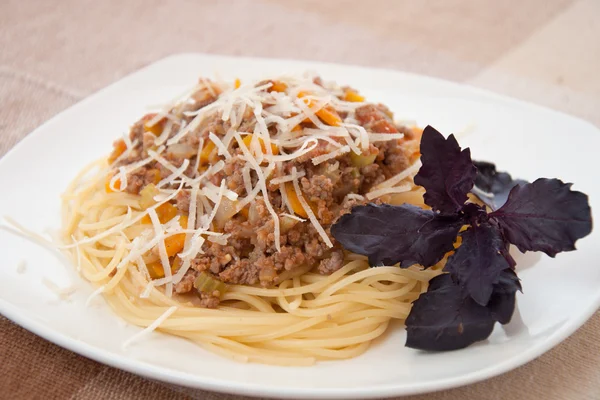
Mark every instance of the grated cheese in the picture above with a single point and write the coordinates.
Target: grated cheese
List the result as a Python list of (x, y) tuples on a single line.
[(216, 206), (200, 147), (308, 145), (410, 171), (319, 159), (221, 149), (62, 293), (297, 218), (165, 133), (247, 179), (389, 190), (78, 252), (262, 183), (176, 174), (162, 250), (308, 210), (94, 294), (122, 178), (286, 178), (153, 326), (384, 137)]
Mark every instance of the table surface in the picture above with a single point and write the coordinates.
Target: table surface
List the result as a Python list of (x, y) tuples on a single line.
[(54, 54)]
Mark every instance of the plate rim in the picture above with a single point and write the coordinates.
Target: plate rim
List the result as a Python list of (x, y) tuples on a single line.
[(165, 374)]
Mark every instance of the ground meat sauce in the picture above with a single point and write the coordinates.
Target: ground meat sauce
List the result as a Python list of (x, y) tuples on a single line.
[(249, 256)]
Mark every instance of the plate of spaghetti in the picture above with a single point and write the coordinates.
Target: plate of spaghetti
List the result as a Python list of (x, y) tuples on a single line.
[(251, 226)]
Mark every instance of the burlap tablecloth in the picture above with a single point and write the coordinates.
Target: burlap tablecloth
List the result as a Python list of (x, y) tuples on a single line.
[(54, 53)]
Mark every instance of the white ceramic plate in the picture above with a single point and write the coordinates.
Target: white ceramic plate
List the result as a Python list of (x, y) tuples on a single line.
[(527, 140)]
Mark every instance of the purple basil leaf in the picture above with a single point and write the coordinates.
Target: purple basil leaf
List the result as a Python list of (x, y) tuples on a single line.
[(545, 215), (389, 234), (447, 173), (477, 263), (445, 319), (490, 181), (502, 301)]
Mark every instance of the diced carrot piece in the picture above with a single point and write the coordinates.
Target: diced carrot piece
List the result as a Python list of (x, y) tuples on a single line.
[(107, 185), (205, 154), (156, 270), (237, 83), (165, 212), (327, 114), (244, 211), (119, 148), (351, 95), (174, 244), (278, 87), (183, 221), (297, 128), (248, 139), (295, 201), (157, 128)]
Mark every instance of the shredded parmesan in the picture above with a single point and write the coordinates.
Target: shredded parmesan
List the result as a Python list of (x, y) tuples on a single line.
[(410, 171), (176, 174), (78, 252), (319, 159), (297, 218), (309, 212), (200, 147), (262, 183), (94, 294), (164, 134), (355, 196), (153, 326), (162, 250), (222, 150), (389, 190), (285, 178), (121, 177), (247, 179), (383, 137), (216, 206), (62, 293), (306, 147)]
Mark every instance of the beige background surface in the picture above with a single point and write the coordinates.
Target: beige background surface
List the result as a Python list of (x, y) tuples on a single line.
[(54, 53)]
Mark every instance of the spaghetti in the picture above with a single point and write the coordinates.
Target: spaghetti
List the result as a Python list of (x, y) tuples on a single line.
[(116, 238)]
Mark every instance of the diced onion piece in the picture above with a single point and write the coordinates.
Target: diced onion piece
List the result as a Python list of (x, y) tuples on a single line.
[(360, 160), (181, 150), (226, 210), (287, 223), (205, 283), (147, 196)]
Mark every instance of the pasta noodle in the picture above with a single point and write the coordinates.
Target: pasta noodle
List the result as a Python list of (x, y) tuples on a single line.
[(211, 221), (303, 319)]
